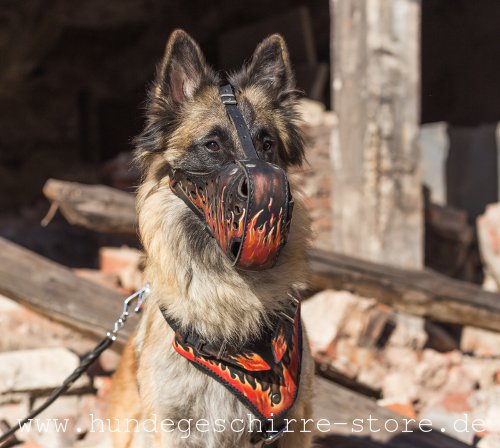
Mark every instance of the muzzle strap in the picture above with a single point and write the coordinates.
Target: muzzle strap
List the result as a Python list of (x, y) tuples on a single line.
[(229, 100)]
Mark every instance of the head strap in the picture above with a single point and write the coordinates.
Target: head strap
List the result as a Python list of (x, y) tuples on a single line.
[(234, 112)]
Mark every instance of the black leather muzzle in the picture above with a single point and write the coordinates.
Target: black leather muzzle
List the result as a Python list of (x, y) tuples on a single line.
[(246, 205)]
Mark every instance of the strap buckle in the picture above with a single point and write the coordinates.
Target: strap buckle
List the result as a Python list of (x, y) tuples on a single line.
[(192, 339), (228, 98), (200, 345)]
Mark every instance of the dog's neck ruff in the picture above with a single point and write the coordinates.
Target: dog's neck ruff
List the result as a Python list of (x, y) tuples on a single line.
[(264, 374)]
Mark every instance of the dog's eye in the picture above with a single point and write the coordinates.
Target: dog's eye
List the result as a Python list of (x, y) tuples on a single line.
[(212, 146), (267, 145)]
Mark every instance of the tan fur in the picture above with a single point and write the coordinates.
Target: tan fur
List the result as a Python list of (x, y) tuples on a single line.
[(223, 303), (125, 390)]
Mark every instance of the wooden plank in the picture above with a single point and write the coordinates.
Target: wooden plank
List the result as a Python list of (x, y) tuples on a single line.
[(95, 207), (420, 292), (54, 291), (376, 190), (339, 405)]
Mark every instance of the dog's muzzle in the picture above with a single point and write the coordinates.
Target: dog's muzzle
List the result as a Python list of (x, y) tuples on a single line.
[(246, 205)]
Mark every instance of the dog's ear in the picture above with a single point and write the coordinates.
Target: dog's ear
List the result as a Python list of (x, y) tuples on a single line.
[(270, 65), (182, 71)]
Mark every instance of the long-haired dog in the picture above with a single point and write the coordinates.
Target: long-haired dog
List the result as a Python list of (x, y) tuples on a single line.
[(219, 358)]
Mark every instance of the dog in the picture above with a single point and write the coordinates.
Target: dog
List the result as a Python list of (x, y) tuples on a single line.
[(200, 285)]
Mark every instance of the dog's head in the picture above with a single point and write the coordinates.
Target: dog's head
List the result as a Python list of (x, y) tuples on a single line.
[(188, 125), (188, 128)]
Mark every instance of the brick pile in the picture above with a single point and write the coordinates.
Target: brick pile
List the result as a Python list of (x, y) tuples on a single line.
[(416, 367)]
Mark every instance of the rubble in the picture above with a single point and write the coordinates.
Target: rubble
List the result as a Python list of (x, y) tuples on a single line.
[(403, 408), (329, 326), (409, 331), (40, 369), (391, 352), (489, 441), (14, 407), (486, 406), (65, 412), (386, 352), (25, 329), (124, 262), (480, 342), (447, 422)]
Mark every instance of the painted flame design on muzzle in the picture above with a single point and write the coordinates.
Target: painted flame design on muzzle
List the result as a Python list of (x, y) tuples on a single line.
[(246, 206)]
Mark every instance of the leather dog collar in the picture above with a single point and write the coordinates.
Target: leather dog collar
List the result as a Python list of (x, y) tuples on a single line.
[(264, 374)]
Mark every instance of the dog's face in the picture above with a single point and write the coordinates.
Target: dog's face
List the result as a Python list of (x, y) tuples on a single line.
[(188, 128)]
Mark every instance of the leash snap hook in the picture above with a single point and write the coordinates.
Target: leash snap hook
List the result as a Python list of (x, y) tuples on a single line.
[(139, 296)]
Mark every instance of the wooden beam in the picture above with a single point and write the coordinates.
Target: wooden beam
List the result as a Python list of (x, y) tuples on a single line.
[(420, 292), (376, 190), (54, 291), (95, 207)]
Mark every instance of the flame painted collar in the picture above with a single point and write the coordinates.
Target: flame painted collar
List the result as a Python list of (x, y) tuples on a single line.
[(264, 375)]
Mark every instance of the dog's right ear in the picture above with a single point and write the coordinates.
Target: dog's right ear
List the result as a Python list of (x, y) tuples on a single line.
[(182, 71), (181, 74)]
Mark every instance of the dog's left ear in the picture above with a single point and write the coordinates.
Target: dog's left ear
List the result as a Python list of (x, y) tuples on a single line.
[(270, 65), (270, 70)]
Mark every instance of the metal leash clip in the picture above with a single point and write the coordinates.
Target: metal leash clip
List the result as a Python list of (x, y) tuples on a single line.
[(139, 296)]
